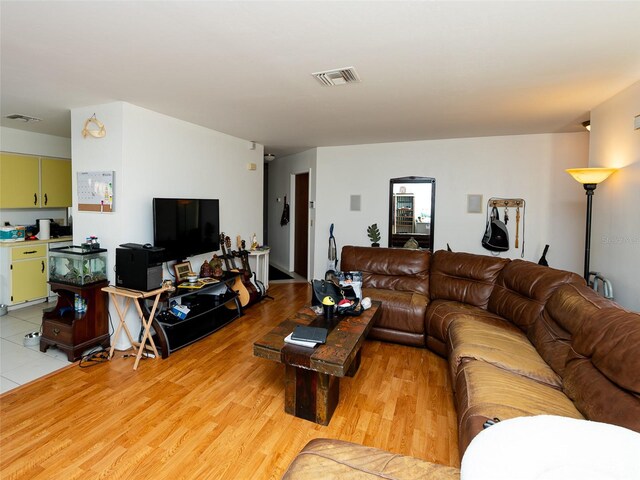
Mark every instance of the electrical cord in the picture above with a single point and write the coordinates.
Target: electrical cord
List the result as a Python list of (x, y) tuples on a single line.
[(94, 357), (98, 354), (111, 330), (166, 266)]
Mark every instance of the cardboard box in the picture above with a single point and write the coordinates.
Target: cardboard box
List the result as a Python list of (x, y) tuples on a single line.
[(180, 311)]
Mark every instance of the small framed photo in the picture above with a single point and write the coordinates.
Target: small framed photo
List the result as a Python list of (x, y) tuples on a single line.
[(182, 270)]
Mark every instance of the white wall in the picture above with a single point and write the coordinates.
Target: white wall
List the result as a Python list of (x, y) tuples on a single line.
[(524, 166), (615, 241), (154, 155), (22, 141), (281, 182)]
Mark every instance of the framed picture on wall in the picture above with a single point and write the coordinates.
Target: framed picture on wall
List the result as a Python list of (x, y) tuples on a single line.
[(182, 270)]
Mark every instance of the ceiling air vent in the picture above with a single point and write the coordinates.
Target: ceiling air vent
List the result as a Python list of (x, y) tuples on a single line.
[(340, 76), (22, 118)]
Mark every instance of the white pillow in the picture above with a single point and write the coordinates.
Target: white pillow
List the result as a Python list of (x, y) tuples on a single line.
[(552, 448)]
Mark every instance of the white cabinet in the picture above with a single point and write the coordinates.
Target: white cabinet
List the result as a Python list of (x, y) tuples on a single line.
[(24, 271)]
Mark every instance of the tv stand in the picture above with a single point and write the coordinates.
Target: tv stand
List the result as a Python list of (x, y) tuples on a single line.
[(211, 308)]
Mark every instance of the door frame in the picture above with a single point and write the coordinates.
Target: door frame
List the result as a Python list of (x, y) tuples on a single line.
[(292, 223)]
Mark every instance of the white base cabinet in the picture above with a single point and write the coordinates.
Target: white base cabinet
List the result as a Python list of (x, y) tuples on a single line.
[(24, 271)]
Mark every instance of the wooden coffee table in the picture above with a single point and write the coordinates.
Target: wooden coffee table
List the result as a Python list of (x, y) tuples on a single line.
[(312, 375)]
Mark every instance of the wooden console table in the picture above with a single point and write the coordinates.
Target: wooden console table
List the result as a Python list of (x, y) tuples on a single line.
[(127, 295)]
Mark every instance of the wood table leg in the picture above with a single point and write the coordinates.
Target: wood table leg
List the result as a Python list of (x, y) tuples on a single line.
[(355, 365), (122, 324), (311, 395), (146, 324)]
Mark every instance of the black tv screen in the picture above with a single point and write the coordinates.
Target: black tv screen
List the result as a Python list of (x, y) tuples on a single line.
[(186, 226)]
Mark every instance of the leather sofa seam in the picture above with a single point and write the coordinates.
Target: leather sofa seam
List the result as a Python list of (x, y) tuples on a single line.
[(347, 464)]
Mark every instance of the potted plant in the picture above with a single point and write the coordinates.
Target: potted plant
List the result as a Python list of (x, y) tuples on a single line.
[(374, 234)]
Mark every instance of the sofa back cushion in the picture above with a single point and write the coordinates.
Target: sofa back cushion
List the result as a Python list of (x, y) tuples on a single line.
[(602, 374), (522, 289), (389, 268), (563, 315), (464, 277)]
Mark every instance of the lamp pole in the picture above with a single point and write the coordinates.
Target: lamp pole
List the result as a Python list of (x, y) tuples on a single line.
[(589, 190), (589, 178)]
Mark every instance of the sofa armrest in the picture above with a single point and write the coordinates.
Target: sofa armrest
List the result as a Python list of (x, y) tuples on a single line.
[(336, 459)]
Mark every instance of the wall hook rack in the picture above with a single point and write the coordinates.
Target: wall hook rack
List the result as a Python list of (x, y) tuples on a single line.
[(519, 204), (506, 202)]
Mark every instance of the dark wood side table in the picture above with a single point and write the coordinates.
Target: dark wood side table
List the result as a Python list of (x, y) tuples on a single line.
[(74, 332)]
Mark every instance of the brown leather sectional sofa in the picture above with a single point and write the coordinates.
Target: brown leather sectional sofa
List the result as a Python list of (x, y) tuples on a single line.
[(521, 339)]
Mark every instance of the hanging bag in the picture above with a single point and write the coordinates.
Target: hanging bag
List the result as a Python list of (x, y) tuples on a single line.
[(496, 235), (284, 220)]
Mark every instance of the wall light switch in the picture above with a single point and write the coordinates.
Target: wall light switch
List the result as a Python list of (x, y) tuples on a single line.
[(251, 166)]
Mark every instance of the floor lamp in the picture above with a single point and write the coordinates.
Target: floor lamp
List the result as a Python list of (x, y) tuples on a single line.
[(589, 178)]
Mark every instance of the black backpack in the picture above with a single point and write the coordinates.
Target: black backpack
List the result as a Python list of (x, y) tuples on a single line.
[(496, 235)]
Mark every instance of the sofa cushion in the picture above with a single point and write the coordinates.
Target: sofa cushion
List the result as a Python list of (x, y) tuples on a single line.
[(389, 268), (498, 343), (440, 314), (484, 391), (564, 313), (401, 316), (337, 459), (522, 289), (602, 373), (464, 277)]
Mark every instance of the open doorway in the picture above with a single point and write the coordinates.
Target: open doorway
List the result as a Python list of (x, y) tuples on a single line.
[(301, 234)]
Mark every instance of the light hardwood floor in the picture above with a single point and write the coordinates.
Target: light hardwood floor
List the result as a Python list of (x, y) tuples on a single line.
[(213, 411)]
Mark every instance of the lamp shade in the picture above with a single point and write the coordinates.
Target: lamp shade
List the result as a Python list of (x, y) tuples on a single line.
[(590, 175)]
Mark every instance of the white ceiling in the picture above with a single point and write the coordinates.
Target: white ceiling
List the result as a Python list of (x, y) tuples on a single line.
[(428, 69)]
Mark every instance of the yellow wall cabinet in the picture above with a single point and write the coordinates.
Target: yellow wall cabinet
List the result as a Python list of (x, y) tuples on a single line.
[(27, 181), (25, 273)]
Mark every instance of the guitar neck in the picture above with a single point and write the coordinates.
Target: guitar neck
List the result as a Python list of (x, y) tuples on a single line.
[(232, 256), (244, 255), (225, 256)]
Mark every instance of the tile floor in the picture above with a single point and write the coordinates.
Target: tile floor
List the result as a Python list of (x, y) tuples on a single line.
[(20, 364)]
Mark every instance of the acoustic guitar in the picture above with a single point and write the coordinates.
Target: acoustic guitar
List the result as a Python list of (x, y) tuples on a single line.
[(246, 266), (245, 275), (238, 286)]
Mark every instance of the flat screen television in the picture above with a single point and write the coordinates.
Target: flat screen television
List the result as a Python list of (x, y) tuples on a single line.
[(186, 226)]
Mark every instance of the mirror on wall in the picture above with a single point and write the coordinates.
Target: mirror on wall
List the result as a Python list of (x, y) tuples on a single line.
[(411, 211)]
